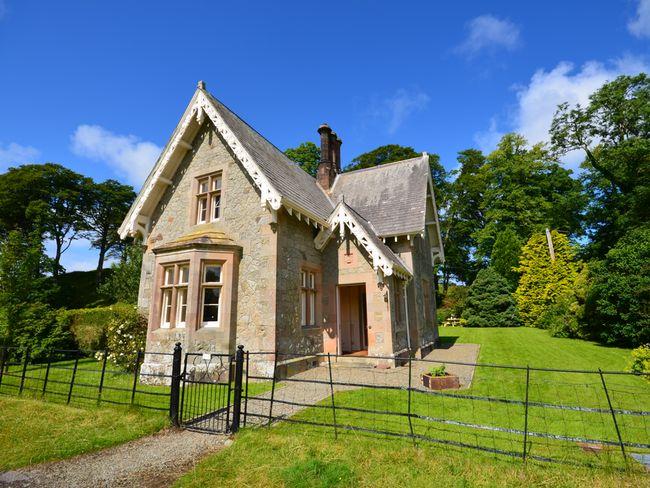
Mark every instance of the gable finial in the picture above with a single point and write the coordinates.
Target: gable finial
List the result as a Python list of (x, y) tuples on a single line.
[(201, 85)]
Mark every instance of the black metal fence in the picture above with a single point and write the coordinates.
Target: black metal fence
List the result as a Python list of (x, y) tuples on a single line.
[(590, 417), (84, 377)]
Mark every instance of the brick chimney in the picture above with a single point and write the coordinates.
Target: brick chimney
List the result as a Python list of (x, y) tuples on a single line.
[(330, 157)]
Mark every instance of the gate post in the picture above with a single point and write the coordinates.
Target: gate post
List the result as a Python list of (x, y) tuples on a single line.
[(175, 393), (239, 374)]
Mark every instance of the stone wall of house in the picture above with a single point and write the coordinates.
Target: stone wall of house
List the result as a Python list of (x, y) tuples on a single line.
[(245, 223), (296, 251)]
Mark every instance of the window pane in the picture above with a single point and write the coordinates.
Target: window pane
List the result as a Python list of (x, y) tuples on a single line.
[(184, 274), (181, 299), (211, 296), (303, 307), (216, 206), (202, 209), (211, 313), (303, 279), (312, 308), (212, 273), (312, 284), (166, 308), (216, 183), (169, 275), (211, 304), (203, 186)]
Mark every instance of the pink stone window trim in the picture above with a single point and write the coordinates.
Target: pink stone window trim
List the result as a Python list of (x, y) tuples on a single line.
[(208, 198), (210, 294)]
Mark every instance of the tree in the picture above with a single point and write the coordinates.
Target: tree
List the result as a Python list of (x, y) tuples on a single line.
[(505, 255), (617, 310), (46, 197), (124, 283), (307, 155), (108, 204), (382, 155), (613, 131), (462, 217), (544, 280), (526, 189), (489, 302)]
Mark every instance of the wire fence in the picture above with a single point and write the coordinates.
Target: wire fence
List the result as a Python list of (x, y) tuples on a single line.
[(597, 418), (83, 377)]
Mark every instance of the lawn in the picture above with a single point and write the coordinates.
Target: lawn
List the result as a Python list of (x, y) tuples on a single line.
[(297, 455), (33, 431)]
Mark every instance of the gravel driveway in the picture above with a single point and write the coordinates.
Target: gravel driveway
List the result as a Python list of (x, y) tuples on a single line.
[(152, 461)]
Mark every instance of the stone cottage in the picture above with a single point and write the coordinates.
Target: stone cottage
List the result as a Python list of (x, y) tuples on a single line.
[(244, 247)]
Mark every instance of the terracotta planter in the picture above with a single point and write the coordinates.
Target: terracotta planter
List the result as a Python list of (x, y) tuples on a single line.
[(448, 381)]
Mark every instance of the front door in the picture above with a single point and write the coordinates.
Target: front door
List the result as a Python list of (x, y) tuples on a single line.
[(352, 318)]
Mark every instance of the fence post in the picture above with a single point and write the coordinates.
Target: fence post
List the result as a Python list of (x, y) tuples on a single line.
[(239, 375), (275, 367), (74, 373), (246, 392), (47, 373), (103, 375), (175, 393), (135, 376), (22, 376), (329, 365), (611, 409), (3, 359), (526, 412), (409, 398)]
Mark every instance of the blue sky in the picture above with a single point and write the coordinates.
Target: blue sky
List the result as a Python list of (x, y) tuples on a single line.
[(99, 86)]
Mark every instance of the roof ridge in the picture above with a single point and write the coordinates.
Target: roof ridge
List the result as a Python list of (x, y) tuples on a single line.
[(392, 163)]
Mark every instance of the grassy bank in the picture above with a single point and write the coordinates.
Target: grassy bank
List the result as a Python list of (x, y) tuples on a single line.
[(32, 431)]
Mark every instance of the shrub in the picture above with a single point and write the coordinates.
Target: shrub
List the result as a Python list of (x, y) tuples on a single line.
[(455, 299), (126, 335), (438, 371), (617, 309), (490, 302), (565, 317), (88, 326), (641, 361), (544, 281)]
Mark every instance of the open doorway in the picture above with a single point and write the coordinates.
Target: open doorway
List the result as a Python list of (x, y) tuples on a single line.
[(353, 324)]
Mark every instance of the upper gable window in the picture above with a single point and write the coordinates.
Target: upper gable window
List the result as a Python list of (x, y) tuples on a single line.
[(208, 198)]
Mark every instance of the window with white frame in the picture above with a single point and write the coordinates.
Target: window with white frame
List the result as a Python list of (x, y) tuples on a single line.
[(210, 294), (174, 291), (208, 199), (307, 298)]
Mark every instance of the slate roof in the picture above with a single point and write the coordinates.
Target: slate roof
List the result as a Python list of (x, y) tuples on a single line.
[(392, 197), (286, 176), (378, 242)]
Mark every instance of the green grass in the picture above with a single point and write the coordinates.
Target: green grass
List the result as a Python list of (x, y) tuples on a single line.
[(32, 431), (275, 456), (297, 456)]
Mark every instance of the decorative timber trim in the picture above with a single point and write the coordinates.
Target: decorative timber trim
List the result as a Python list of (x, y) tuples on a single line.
[(343, 217)]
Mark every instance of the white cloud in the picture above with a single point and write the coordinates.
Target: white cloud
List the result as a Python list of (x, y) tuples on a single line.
[(127, 155), (487, 32), (488, 140), (640, 25), (397, 108), (12, 154), (537, 101)]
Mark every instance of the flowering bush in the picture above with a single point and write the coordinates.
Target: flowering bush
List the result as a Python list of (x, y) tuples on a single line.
[(126, 335)]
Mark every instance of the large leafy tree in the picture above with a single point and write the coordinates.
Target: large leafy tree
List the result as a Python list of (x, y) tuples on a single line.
[(307, 155), (48, 198), (618, 303), (462, 218), (124, 283), (108, 203), (505, 255), (544, 279), (489, 302), (381, 155), (527, 190), (613, 132)]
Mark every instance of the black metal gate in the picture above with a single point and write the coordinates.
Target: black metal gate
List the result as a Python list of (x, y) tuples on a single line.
[(206, 392)]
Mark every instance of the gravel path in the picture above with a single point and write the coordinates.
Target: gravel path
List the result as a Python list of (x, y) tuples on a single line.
[(154, 461)]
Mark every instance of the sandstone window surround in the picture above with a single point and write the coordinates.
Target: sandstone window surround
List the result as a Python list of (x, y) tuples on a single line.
[(202, 282), (208, 198)]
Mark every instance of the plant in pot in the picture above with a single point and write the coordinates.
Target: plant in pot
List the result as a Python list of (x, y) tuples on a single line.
[(438, 379)]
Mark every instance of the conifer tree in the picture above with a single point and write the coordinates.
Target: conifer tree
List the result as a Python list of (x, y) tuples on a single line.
[(490, 302)]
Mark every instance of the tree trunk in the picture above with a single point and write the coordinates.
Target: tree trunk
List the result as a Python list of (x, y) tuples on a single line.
[(57, 259), (100, 263)]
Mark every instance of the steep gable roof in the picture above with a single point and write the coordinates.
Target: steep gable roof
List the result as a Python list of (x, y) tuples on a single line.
[(391, 196), (280, 180)]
